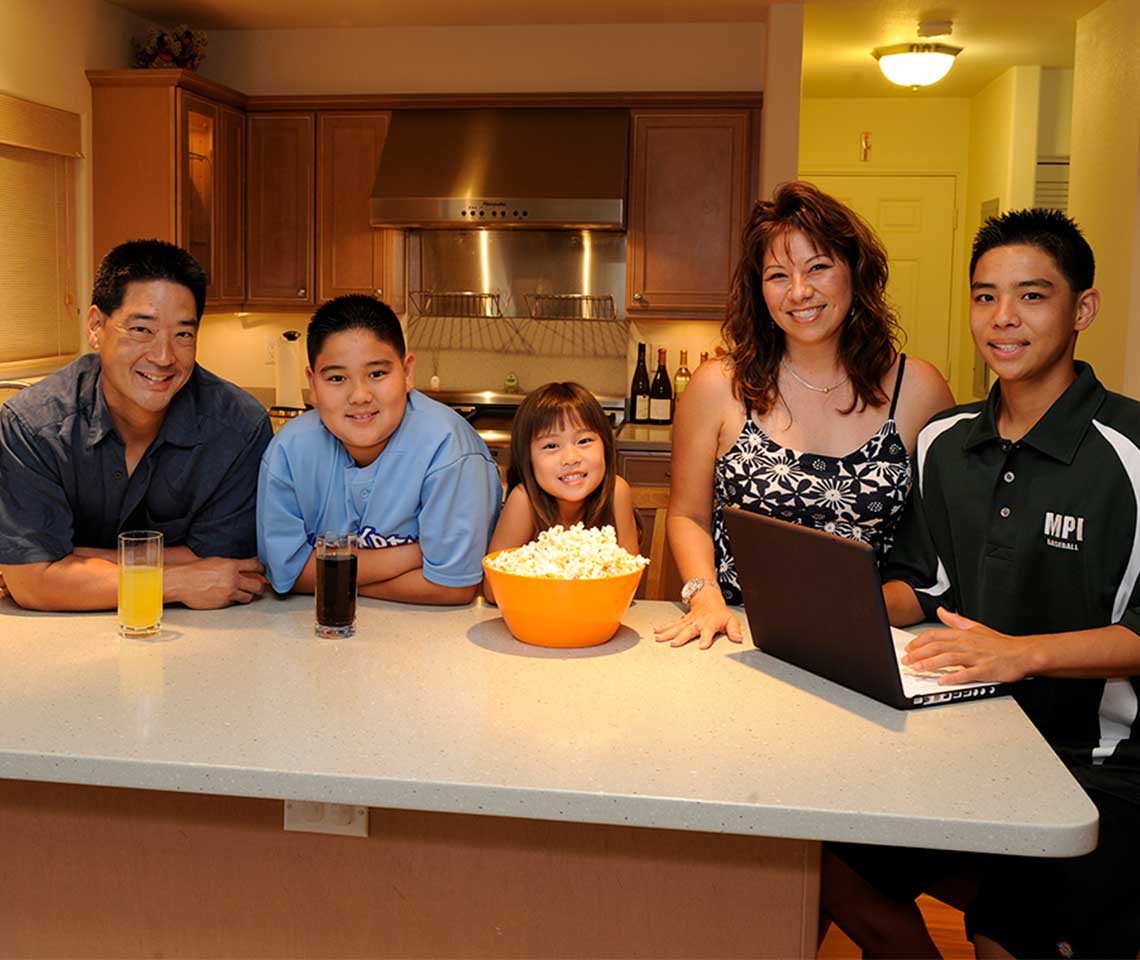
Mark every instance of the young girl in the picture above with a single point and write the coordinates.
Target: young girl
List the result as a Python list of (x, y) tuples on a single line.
[(563, 471)]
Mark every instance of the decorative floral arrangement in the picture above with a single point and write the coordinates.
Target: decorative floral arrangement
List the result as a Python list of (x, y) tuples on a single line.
[(177, 47)]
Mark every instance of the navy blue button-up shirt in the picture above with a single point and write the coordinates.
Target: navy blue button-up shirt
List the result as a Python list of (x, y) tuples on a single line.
[(63, 472)]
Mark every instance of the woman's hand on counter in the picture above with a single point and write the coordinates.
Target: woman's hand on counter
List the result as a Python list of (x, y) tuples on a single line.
[(708, 618)]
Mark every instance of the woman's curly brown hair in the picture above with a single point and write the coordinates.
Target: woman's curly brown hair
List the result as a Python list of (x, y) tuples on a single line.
[(870, 336)]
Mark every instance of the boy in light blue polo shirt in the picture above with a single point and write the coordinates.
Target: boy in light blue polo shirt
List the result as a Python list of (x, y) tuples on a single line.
[(380, 459)]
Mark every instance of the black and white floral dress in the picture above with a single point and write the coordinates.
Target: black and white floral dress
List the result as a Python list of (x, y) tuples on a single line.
[(860, 496)]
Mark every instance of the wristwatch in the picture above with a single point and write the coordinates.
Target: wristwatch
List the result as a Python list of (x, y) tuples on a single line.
[(691, 589)]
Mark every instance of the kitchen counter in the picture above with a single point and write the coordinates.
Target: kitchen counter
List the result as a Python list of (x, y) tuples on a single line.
[(647, 437), (510, 786), (440, 709)]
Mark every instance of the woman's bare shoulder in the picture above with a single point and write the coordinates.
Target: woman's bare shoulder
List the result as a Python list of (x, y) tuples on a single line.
[(924, 393)]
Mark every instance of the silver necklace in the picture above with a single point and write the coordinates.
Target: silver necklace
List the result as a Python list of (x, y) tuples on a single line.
[(811, 386)]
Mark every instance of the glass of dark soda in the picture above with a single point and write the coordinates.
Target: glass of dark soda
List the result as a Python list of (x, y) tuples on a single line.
[(336, 585)]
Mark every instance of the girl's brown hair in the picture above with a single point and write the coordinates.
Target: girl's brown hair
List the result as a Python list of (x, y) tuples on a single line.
[(551, 407), (870, 336)]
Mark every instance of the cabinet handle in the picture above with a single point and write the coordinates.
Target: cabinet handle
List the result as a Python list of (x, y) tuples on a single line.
[(637, 297), (301, 292), (379, 293), (668, 475)]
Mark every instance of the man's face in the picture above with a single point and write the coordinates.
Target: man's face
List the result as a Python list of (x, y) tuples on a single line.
[(1024, 316), (146, 347)]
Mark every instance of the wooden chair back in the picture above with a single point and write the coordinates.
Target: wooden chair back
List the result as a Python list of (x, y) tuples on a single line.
[(650, 504)]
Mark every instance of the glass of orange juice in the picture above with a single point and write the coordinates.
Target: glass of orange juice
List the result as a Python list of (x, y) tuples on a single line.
[(140, 583)]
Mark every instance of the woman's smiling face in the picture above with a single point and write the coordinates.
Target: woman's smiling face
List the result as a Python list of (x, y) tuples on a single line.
[(807, 291)]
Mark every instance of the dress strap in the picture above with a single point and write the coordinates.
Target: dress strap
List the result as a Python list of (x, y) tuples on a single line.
[(898, 384)]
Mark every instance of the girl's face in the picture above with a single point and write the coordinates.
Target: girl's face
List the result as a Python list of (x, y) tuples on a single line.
[(568, 460), (807, 292), (360, 386)]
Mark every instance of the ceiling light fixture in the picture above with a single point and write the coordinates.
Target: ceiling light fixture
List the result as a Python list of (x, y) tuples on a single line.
[(918, 64)]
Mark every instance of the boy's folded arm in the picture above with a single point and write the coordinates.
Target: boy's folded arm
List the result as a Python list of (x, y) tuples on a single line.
[(414, 587), (373, 565)]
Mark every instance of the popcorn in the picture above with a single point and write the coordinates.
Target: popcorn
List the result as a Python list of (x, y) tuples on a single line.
[(574, 553)]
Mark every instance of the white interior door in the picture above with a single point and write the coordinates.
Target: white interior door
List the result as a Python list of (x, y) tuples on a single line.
[(914, 217)]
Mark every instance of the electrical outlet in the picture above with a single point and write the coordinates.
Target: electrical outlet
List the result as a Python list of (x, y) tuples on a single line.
[(345, 819), (270, 350)]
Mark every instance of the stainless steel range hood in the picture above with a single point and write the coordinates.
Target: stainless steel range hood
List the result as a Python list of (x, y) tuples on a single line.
[(504, 168)]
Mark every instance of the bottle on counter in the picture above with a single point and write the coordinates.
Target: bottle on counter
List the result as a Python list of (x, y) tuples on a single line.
[(639, 390), (682, 377), (660, 393), (704, 355)]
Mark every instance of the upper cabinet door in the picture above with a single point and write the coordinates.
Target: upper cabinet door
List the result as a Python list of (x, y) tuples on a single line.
[(197, 149), (279, 252), (689, 193), (352, 256), (229, 256)]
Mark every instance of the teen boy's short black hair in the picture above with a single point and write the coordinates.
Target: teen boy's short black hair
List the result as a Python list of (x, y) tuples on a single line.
[(1051, 231), (354, 311), (138, 261)]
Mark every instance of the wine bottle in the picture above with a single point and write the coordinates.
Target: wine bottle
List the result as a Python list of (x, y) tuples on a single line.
[(682, 377), (639, 390), (704, 355), (660, 393)]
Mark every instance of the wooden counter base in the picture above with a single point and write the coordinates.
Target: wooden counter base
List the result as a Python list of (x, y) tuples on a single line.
[(103, 872)]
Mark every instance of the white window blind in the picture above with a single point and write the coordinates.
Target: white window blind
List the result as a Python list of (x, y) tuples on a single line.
[(39, 314)]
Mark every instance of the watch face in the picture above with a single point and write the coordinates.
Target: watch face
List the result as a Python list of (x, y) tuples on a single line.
[(689, 590)]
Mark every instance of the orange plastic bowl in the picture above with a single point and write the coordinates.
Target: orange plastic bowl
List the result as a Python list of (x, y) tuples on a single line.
[(561, 613)]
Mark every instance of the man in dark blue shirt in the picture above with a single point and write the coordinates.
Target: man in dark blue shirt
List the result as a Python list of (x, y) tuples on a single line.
[(133, 436)]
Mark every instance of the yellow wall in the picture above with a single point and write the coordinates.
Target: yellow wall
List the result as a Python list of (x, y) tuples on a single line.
[(908, 136), (45, 47), (1104, 186)]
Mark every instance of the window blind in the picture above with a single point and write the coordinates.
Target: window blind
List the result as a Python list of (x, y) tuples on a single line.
[(39, 316)]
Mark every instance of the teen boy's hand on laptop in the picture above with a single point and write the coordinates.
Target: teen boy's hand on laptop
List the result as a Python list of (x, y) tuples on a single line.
[(982, 653)]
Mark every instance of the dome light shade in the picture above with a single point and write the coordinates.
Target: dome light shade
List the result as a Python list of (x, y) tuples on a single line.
[(916, 64)]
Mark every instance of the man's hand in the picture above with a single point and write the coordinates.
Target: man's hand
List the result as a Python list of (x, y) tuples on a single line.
[(213, 582), (982, 654)]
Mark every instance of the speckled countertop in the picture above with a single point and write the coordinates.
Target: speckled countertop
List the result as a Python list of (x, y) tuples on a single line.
[(440, 709), (649, 437)]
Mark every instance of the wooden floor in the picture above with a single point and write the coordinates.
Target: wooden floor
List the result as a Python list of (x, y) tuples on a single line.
[(944, 923)]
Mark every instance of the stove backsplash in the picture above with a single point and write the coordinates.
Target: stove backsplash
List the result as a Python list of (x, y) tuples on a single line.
[(561, 296)]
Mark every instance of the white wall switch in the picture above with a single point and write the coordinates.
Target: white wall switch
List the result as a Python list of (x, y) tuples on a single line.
[(345, 819)]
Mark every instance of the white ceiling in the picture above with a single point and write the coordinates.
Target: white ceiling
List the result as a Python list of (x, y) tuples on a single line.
[(838, 34)]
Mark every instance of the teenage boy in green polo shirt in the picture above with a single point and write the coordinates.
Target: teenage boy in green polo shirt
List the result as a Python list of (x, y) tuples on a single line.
[(1023, 538)]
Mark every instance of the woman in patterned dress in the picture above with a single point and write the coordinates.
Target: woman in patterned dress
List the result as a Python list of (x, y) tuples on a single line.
[(808, 417)]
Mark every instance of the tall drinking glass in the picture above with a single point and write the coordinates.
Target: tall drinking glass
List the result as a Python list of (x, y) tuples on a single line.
[(336, 585), (140, 583)]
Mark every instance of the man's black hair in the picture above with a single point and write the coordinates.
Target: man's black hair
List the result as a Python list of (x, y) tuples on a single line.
[(138, 261), (354, 311), (1049, 230)]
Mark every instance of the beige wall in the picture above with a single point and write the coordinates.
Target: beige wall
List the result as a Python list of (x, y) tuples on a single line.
[(1055, 116), (508, 59), (45, 47), (1104, 189), (916, 136)]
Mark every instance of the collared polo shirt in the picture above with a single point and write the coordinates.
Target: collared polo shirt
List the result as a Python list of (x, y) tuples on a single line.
[(64, 481), (1039, 535)]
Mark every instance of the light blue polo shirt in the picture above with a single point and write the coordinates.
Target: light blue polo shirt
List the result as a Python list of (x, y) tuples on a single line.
[(434, 483)]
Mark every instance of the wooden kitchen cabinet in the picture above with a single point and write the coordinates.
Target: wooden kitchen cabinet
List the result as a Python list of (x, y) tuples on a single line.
[(352, 257), (280, 205), (168, 162), (691, 186)]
